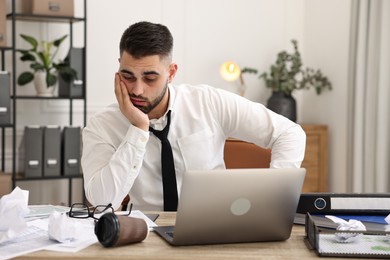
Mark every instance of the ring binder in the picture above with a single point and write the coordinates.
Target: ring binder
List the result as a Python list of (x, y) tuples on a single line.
[(344, 203)]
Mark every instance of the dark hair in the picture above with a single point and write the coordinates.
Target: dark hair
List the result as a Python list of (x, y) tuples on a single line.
[(144, 39)]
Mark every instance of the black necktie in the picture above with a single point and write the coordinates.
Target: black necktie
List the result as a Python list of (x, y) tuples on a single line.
[(168, 167)]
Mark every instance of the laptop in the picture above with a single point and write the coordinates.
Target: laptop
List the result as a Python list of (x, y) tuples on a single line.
[(235, 205)]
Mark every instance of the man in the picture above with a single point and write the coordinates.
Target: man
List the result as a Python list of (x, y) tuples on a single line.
[(122, 156)]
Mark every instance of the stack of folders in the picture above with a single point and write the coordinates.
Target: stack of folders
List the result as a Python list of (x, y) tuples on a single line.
[(51, 151)]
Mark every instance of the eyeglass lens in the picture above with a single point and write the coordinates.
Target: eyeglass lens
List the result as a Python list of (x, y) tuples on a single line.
[(79, 210)]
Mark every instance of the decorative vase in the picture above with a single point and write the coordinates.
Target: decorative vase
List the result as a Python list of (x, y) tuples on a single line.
[(283, 104), (41, 85)]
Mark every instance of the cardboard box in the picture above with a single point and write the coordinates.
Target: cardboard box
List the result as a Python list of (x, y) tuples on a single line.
[(46, 7), (3, 23)]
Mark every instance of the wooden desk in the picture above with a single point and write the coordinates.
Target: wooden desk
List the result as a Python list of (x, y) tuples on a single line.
[(154, 247)]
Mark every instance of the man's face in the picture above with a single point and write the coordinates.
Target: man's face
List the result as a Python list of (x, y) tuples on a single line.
[(147, 81)]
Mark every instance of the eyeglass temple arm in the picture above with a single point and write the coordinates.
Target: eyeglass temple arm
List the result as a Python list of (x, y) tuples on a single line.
[(107, 207)]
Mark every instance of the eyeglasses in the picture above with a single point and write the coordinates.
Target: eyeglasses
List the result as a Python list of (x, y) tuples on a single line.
[(81, 210)]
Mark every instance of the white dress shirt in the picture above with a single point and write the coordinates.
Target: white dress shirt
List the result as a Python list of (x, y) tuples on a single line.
[(120, 159)]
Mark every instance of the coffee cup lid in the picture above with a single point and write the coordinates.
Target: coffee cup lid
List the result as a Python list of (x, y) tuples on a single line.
[(107, 229)]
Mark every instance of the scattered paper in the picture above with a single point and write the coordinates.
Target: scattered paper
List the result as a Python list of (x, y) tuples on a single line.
[(39, 211), (13, 209)]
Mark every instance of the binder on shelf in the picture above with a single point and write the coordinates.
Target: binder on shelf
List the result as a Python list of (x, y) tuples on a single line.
[(3, 23), (51, 151), (33, 137), (71, 151), (5, 98), (344, 203), (75, 88)]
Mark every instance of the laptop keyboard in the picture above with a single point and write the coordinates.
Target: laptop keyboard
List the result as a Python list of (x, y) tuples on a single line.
[(169, 233)]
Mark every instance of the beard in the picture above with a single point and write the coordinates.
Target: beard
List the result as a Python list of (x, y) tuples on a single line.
[(151, 104)]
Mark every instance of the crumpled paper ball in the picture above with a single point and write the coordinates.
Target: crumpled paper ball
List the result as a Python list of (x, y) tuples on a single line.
[(13, 209), (63, 228), (351, 225)]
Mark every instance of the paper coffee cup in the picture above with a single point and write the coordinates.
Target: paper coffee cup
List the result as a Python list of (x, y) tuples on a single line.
[(112, 230)]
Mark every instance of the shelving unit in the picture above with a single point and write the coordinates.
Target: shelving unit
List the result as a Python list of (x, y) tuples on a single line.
[(14, 17)]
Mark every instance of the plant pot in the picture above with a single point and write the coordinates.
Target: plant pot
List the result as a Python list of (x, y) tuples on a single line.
[(283, 104), (41, 86)]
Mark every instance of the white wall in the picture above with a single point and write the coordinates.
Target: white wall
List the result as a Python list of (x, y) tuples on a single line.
[(250, 32), (207, 33)]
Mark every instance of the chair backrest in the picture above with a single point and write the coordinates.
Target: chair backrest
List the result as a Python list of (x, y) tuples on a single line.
[(240, 154)]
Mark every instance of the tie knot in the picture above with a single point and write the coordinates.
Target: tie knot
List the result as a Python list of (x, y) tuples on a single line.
[(162, 134)]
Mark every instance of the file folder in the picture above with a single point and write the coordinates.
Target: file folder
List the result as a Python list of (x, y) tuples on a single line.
[(344, 203), (74, 88), (5, 98), (52, 151), (33, 136), (71, 151)]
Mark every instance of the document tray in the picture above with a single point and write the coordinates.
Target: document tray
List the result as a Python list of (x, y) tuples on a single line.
[(364, 244)]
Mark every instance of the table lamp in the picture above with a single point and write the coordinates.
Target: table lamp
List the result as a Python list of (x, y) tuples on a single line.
[(230, 71)]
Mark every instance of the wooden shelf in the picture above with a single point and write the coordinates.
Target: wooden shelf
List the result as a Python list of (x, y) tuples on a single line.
[(44, 18)]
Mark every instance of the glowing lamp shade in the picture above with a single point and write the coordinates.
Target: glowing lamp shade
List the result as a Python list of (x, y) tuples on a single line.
[(230, 71)]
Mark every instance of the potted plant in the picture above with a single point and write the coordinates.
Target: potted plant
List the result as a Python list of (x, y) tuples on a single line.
[(286, 76), (44, 68)]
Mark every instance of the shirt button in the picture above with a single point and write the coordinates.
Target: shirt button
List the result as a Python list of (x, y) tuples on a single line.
[(143, 139)]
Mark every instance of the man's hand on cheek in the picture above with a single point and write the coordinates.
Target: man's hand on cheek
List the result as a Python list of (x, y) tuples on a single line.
[(135, 116)]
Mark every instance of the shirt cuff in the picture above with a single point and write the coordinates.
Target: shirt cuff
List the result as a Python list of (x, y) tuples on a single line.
[(137, 137)]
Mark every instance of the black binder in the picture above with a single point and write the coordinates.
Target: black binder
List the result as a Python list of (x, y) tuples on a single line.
[(5, 98), (344, 203), (71, 151), (33, 136), (52, 151), (75, 88)]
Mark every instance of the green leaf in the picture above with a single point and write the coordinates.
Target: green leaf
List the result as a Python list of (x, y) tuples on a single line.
[(24, 78), (51, 79), (37, 66), (27, 56), (31, 40), (59, 41), (249, 70)]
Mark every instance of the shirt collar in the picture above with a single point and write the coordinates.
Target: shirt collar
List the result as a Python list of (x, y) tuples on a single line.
[(159, 123)]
